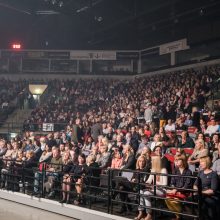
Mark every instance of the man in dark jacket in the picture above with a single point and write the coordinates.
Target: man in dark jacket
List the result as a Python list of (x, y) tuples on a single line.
[(96, 130)]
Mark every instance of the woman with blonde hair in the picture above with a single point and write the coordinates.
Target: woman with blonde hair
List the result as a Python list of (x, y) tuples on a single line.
[(67, 166), (133, 185), (199, 151), (142, 165), (209, 186), (145, 194), (128, 161)]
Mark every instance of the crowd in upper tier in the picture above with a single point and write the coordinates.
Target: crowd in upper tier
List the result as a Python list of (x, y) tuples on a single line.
[(9, 93), (157, 124)]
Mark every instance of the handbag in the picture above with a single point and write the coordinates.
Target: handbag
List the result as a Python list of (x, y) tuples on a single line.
[(177, 195)]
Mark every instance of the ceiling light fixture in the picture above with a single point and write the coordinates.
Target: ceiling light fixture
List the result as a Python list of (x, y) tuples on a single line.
[(53, 2), (60, 3)]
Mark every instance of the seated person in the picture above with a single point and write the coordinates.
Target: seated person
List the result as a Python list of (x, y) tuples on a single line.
[(209, 186), (180, 126), (165, 162), (103, 158), (186, 141), (87, 147), (145, 199), (216, 161), (142, 144), (146, 151), (116, 160), (53, 171), (216, 154), (67, 165), (77, 174), (181, 169), (128, 161), (170, 126), (173, 139), (5, 154), (199, 151), (45, 157), (156, 141), (212, 128), (213, 144), (135, 182), (93, 171)]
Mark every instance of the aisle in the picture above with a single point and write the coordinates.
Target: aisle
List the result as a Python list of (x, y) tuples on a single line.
[(14, 211)]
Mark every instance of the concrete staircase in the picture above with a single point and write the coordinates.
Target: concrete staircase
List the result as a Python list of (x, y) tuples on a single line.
[(14, 123)]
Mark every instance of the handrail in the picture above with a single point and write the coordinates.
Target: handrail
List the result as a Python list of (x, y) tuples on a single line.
[(23, 177)]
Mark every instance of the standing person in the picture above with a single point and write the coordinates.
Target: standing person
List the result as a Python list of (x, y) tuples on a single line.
[(148, 114), (135, 137), (96, 130), (77, 132), (21, 97)]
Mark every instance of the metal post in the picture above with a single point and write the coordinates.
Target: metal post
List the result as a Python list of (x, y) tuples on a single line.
[(172, 58), (23, 177), (90, 176), (155, 188), (139, 180), (77, 67), (42, 180), (200, 197), (49, 65), (109, 190)]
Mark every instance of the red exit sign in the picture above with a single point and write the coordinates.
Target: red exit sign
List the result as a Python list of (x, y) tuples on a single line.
[(16, 46)]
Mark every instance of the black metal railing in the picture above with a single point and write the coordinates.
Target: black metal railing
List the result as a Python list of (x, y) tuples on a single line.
[(98, 187)]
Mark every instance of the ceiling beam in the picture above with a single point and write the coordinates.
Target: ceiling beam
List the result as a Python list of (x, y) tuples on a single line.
[(19, 10)]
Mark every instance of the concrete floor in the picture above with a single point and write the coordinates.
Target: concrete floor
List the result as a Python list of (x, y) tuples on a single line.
[(14, 211)]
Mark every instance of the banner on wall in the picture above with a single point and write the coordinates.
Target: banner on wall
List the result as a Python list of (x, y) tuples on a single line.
[(47, 54), (10, 54), (174, 46), (128, 55), (35, 54), (92, 55), (48, 127)]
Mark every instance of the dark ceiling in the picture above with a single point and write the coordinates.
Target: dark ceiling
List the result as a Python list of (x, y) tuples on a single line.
[(106, 24)]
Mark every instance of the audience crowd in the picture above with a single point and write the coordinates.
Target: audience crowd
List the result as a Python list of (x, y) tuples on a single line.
[(9, 93), (158, 125)]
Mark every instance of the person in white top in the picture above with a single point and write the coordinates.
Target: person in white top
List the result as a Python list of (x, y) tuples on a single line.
[(156, 141), (161, 180), (170, 126), (212, 128), (148, 114)]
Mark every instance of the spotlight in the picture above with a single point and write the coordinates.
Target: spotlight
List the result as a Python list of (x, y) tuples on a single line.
[(154, 28), (60, 3), (53, 2), (175, 21), (99, 18), (201, 12)]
